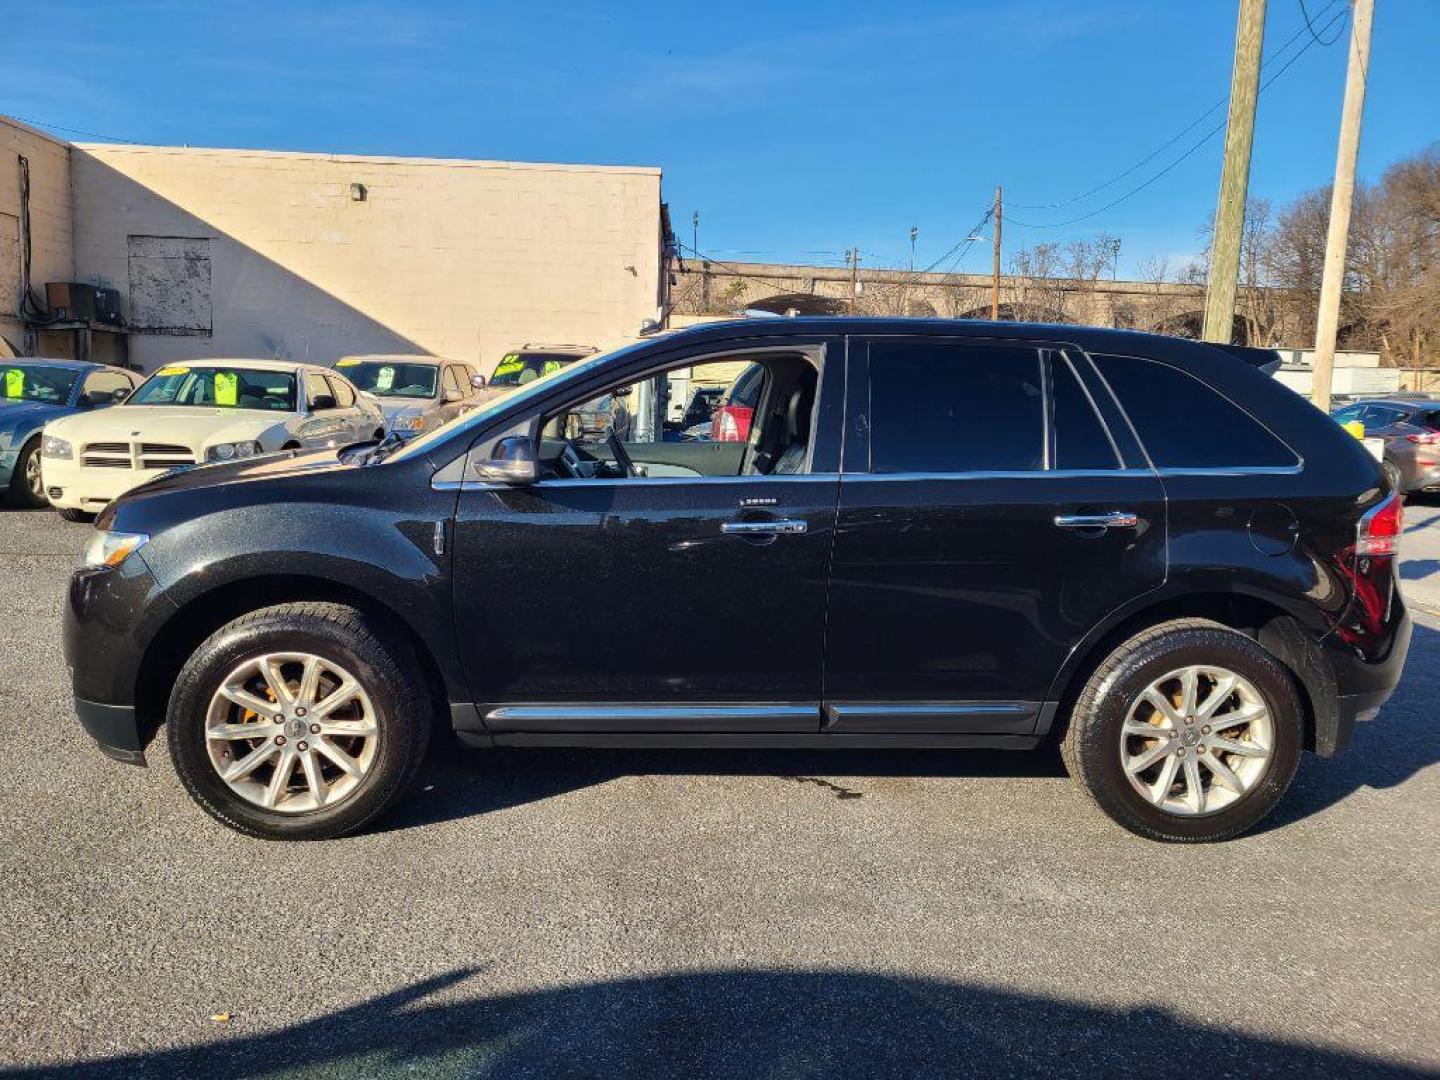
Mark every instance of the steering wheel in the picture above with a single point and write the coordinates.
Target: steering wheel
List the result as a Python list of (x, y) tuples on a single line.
[(622, 456)]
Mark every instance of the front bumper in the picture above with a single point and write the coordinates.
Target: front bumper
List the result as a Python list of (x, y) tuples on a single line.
[(89, 489), (110, 619), (115, 729)]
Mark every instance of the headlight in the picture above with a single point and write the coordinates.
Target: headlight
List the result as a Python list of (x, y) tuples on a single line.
[(56, 447), (229, 451), (111, 548), (408, 423)]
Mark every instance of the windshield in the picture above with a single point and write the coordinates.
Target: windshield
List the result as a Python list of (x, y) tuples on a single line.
[(390, 378), (218, 388), (520, 369), (33, 382), (534, 388)]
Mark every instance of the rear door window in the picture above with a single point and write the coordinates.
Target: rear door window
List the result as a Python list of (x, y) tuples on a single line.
[(950, 407), (344, 396), (1185, 424)]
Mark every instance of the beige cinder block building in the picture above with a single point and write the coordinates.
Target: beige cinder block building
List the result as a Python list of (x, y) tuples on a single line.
[(43, 161), (313, 256)]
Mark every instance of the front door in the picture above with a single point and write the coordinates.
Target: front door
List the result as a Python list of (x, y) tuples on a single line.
[(987, 522), (683, 591)]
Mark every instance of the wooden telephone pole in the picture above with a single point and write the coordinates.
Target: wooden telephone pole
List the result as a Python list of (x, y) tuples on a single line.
[(1234, 174), (854, 278), (995, 258), (1341, 196)]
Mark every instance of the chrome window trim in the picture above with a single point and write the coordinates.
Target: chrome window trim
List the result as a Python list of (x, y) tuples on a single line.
[(645, 481)]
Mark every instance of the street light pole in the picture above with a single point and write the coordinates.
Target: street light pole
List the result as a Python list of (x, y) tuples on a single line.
[(1114, 258), (914, 232), (695, 232)]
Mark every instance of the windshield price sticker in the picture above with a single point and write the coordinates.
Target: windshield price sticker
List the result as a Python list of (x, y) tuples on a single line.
[(509, 365), (227, 388), (346, 363), (173, 371), (385, 378), (14, 383)]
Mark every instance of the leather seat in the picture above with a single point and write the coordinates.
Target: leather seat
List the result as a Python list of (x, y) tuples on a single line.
[(797, 432)]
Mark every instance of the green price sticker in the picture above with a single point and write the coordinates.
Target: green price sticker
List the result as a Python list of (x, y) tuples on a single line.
[(14, 383), (227, 388)]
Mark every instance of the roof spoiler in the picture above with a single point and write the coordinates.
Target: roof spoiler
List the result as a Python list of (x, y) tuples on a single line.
[(1267, 360)]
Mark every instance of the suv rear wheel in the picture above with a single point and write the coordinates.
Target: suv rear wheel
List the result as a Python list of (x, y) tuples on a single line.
[(1188, 732), (296, 722)]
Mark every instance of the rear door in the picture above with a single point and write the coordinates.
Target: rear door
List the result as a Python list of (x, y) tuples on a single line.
[(988, 520)]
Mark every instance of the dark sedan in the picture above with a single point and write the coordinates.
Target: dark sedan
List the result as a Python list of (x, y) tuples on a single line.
[(32, 393)]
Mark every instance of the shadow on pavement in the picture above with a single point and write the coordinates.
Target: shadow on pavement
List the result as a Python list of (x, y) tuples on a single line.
[(1385, 752), (459, 783), (1418, 569), (742, 1024)]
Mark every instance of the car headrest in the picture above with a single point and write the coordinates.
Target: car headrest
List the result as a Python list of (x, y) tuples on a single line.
[(797, 417)]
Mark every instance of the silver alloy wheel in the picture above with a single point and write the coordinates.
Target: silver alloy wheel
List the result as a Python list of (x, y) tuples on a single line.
[(33, 481), (1196, 739), (291, 732)]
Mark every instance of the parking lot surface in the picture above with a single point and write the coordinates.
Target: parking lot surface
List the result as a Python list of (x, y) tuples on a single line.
[(591, 913)]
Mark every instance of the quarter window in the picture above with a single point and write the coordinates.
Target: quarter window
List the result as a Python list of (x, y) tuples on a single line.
[(315, 387), (344, 396), (945, 407), (1184, 424)]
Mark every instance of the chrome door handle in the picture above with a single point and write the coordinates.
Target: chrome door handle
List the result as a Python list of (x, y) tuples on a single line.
[(1115, 519), (763, 528)]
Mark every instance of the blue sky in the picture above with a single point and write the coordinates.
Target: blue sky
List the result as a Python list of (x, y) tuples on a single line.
[(795, 129)]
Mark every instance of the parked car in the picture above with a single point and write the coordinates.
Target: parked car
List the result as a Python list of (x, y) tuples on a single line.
[(730, 420), (530, 362), (195, 413), (415, 393), (1410, 426), (1139, 547), (34, 391)]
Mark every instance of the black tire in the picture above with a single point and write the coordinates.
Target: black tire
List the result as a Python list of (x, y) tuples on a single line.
[(21, 494), (1090, 744), (82, 516), (387, 671)]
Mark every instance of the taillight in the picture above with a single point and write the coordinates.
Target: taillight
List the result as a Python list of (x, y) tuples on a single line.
[(1425, 438), (1378, 533), (731, 423)]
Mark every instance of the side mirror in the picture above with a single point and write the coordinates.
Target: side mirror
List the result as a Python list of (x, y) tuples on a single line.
[(120, 395), (452, 396), (323, 403), (478, 382), (513, 462)]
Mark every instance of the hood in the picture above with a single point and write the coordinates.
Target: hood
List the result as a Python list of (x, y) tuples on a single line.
[(264, 467), (394, 408), (26, 415), (158, 423)]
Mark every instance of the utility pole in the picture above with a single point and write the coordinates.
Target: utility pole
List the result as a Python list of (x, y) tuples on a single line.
[(995, 257), (1234, 174), (914, 232), (695, 232), (1341, 196), (854, 278)]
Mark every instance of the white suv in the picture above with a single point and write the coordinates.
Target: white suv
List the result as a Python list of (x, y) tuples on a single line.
[(198, 412)]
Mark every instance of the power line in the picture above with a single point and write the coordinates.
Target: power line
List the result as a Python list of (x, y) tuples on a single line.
[(1194, 123), (1309, 25), (1202, 141), (78, 131), (968, 238)]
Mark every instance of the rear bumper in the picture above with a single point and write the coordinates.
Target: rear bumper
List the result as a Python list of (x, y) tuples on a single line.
[(115, 729)]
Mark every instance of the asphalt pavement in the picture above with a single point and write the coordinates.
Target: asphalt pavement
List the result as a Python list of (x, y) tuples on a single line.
[(587, 913)]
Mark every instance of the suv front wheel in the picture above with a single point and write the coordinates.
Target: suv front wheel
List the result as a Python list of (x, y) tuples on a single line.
[(297, 722), (1187, 732)]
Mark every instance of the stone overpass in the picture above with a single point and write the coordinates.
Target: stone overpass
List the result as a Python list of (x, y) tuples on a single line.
[(708, 287)]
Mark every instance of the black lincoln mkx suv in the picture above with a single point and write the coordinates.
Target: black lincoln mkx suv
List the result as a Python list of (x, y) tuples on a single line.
[(937, 535)]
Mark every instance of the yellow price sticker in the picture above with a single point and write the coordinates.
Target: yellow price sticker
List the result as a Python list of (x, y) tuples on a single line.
[(14, 383), (346, 363), (227, 388), (173, 371)]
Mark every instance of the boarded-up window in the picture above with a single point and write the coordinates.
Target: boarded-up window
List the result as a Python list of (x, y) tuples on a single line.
[(9, 264), (169, 285)]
